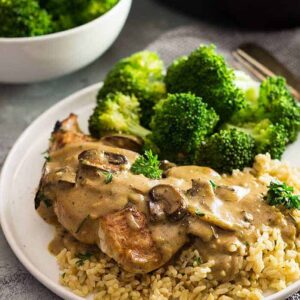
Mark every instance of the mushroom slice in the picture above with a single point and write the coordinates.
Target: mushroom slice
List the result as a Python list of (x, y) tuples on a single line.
[(123, 141), (166, 200), (125, 236), (106, 161), (63, 176)]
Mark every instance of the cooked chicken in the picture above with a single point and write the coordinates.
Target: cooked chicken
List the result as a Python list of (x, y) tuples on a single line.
[(142, 223)]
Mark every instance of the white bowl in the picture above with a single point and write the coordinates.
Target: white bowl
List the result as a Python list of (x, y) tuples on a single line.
[(31, 59)]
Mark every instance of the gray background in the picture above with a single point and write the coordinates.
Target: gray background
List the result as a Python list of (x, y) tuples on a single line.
[(148, 20)]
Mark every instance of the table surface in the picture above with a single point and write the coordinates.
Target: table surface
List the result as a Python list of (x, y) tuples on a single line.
[(21, 104)]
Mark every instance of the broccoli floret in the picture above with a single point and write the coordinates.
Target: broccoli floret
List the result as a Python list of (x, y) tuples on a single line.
[(23, 18), (68, 14), (148, 165), (277, 104), (117, 113), (227, 150), (179, 124), (140, 74), (281, 195), (269, 138), (206, 74)]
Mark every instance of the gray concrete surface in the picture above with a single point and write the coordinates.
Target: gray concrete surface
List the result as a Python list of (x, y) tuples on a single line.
[(21, 104)]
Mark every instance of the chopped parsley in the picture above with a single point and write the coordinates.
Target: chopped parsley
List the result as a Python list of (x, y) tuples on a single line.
[(46, 155), (213, 184), (147, 165), (197, 260), (199, 213), (108, 177), (82, 257), (280, 194)]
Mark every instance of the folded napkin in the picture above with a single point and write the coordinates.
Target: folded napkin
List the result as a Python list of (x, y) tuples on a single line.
[(285, 45)]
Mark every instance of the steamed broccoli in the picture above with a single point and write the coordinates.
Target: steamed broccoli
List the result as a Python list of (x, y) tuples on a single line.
[(277, 104), (269, 138), (179, 124), (117, 113), (21, 18), (227, 150), (140, 74), (206, 74), (68, 14)]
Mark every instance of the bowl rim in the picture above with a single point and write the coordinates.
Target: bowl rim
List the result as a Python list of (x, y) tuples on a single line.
[(64, 32)]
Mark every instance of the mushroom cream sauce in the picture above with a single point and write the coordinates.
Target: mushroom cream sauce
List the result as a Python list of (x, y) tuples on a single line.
[(142, 223)]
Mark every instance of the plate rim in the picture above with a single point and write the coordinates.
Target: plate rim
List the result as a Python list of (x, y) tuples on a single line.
[(55, 287), (7, 231)]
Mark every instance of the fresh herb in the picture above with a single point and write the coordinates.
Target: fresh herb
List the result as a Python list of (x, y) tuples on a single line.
[(82, 257), (81, 224), (41, 197), (280, 194), (197, 260), (63, 275), (148, 165), (108, 177), (46, 155), (214, 186), (199, 213)]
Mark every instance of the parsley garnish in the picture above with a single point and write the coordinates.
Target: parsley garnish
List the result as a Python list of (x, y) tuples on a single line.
[(280, 194), (213, 184), (82, 257), (148, 165), (108, 177), (46, 155), (199, 213), (197, 260)]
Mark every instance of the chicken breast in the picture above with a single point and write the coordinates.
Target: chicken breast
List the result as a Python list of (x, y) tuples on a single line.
[(126, 238)]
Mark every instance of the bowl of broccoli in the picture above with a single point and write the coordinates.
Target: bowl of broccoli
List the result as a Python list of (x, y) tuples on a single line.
[(44, 39)]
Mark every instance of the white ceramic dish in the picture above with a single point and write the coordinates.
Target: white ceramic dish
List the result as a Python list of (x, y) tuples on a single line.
[(27, 234), (31, 59)]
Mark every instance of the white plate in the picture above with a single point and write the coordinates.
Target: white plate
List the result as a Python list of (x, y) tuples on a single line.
[(27, 234)]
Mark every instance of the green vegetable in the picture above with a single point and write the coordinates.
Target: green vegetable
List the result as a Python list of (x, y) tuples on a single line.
[(197, 260), (117, 113), (108, 177), (205, 73), (82, 257), (268, 138), (141, 75), (280, 194), (67, 14), (147, 165), (227, 150), (179, 124), (274, 103), (21, 18), (199, 213), (277, 104)]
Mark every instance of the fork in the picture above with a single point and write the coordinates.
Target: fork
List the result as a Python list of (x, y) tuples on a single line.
[(261, 64)]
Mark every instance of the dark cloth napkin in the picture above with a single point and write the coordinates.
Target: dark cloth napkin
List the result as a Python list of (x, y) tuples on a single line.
[(285, 45)]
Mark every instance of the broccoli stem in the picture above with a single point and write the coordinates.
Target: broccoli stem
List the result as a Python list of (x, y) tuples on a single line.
[(138, 130)]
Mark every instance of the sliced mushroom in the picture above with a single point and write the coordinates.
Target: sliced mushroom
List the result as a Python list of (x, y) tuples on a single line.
[(166, 165), (166, 200), (63, 176), (231, 193), (124, 141), (105, 161)]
